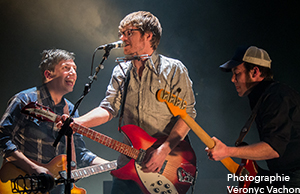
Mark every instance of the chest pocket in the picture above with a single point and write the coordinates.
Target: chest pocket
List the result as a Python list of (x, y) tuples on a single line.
[(157, 84), (36, 129)]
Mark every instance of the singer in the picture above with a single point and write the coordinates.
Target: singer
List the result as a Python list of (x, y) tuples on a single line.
[(141, 32), (22, 138)]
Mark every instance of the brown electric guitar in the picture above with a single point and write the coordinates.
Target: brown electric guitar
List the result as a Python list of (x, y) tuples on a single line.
[(177, 107), (57, 166)]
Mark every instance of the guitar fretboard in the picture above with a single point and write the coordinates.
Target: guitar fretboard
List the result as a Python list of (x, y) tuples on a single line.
[(107, 141), (95, 169)]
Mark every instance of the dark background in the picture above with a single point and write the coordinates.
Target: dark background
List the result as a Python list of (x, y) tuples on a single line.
[(202, 34)]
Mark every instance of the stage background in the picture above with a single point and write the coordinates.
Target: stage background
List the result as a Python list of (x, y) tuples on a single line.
[(202, 34)]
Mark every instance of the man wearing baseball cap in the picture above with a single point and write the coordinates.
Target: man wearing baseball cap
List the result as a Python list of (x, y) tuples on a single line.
[(276, 109)]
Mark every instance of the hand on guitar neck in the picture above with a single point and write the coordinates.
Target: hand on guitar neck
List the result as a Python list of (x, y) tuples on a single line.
[(218, 152), (177, 107), (215, 148)]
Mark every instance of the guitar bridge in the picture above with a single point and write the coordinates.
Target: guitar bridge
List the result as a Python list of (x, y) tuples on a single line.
[(141, 156)]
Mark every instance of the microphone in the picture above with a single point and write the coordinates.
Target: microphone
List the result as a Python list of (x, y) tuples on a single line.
[(34, 183), (114, 45)]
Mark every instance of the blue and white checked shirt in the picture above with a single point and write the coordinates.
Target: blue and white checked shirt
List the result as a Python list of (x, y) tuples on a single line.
[(33, 138)]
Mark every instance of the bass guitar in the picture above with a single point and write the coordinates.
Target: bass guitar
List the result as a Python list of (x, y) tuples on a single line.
[(57, 166), (177, 107), (179, 169)]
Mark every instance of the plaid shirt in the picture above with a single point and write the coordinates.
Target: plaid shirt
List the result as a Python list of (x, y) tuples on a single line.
[(33, 138)]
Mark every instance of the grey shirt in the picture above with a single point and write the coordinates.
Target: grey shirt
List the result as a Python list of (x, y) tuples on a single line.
[(142, 107)]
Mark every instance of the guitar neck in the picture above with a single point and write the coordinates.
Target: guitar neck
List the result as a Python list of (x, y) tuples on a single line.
[(205, 138), (100, 138), (107, 141), (91, 170), (209, 142)]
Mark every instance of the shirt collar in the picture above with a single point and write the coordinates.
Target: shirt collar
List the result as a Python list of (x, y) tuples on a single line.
[(153, 62), (258, 90), (46, 97)]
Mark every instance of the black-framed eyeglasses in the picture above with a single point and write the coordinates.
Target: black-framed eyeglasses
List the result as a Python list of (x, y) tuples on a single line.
[(127, 33)]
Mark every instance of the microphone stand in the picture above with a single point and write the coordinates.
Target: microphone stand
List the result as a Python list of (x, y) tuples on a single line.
[(67, 130)]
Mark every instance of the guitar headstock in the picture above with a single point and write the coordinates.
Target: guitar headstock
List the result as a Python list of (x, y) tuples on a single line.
[(176, 105), (40, 112)]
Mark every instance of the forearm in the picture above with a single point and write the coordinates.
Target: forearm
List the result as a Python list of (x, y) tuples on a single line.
[(159, 155), (95, 117), (178, 133), (20, 160), (258, 151)]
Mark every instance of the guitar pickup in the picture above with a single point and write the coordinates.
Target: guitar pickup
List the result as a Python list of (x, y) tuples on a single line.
[(141, 156), (163, 167)]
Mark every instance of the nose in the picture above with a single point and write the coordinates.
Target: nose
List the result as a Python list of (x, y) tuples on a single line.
[(233, 78), (122, 37), (72, 71)]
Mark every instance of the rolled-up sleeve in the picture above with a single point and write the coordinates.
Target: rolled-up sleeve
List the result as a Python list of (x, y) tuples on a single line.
[(112, 101), (83, 156)]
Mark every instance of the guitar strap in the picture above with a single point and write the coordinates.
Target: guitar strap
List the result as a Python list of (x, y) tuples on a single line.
[(73, 163), (65, 111), (126, 83), (248, 123), (250, 120)]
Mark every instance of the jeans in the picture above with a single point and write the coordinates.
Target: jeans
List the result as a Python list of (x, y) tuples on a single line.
[(120, 186)]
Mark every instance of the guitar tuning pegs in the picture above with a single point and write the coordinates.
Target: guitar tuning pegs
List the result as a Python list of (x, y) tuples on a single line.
[(183, 104), (177, 96)]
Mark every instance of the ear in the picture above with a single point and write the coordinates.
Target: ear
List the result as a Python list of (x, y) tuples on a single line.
[(255, 73), (48, 75), (148, 35)]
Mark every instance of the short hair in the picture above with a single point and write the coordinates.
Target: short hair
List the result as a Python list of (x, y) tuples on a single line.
[(146, 22), (265, 71), (50, 58)]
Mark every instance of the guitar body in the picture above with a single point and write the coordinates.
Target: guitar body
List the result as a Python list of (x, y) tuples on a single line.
[(179, 172), (9, 171), (247, 167)]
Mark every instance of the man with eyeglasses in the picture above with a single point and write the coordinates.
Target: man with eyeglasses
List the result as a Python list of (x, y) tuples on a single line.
[(141, 32)]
